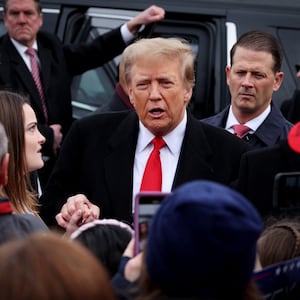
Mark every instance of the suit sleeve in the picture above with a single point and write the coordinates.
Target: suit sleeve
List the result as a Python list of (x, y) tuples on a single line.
[(86, 56)]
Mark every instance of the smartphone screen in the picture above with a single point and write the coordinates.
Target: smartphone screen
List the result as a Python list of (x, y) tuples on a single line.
[(146, 204), (286, 193)]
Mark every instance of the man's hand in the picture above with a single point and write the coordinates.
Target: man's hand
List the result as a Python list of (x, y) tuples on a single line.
[(151, 14), (78, 204), (57, 137)]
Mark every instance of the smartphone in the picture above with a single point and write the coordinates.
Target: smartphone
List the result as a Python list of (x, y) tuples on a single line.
[(286, 193), (145, 206)]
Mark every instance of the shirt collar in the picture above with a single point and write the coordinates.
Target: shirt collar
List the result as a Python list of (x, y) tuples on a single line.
[(21, 48), (172, 139), (253, 124)]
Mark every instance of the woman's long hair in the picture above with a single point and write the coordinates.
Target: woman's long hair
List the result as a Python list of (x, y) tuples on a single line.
[(18, 188)]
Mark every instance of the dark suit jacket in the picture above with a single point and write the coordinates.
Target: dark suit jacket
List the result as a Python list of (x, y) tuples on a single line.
[(257, 172), (97, 160), (59, 63), (271, 131)]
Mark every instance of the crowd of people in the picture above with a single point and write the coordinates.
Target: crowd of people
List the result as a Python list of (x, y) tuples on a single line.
[(67, 188)]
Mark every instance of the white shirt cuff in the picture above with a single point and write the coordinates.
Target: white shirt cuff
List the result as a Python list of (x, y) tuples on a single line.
[(126, 34)]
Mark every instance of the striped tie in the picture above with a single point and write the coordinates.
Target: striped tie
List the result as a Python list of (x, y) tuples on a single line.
[(36, 76)]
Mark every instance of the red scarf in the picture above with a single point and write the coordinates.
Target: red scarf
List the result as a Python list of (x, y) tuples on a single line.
[(5, 206)]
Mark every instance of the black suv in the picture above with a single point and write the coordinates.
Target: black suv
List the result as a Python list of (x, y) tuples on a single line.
[(210, 26)]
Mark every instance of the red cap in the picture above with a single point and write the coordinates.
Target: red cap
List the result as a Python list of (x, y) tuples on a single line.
[(294, 138)]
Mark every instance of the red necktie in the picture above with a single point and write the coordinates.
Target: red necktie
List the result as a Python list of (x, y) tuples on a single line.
[(36, 76), (240, 130), (152, 178)]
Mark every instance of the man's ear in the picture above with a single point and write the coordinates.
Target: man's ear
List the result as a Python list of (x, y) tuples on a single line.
[(4, 169), (129, 90)]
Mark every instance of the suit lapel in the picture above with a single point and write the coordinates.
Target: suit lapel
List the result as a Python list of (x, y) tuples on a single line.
[(20, 70), (120, 160), (196, 155)]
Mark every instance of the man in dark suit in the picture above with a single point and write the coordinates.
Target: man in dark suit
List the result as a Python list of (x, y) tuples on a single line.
[(104, 156), (254, 74), (259, 167), (58, 63)]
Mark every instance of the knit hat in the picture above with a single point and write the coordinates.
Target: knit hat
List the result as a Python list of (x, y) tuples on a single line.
[(202, 241)]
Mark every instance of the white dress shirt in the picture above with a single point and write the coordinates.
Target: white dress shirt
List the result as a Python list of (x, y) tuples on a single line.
[(253, 124), (22, 51), (169, 155)]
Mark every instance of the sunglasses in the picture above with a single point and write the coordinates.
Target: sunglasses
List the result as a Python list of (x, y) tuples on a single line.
[(297, 67)]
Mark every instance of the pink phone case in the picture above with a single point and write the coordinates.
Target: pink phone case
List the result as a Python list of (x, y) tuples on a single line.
[(145, 206)]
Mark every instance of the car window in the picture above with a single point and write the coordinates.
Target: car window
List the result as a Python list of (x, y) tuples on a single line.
[(90, 91), (2, 28)]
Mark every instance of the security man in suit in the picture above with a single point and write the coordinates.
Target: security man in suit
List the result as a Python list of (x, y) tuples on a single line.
[(254, 75)]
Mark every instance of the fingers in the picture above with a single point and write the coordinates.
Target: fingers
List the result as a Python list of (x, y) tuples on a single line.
[(89, 212), (74, 223), (61, 221), (151, 14), (79, 201)]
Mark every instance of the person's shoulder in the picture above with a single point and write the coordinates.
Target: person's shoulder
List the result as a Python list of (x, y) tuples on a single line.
[(266, 152), (106, 116), (217, 119), (107, 120), (20, 225), (277, 117), (45, 37), (5, 46), (4, 38), (30, 222)]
